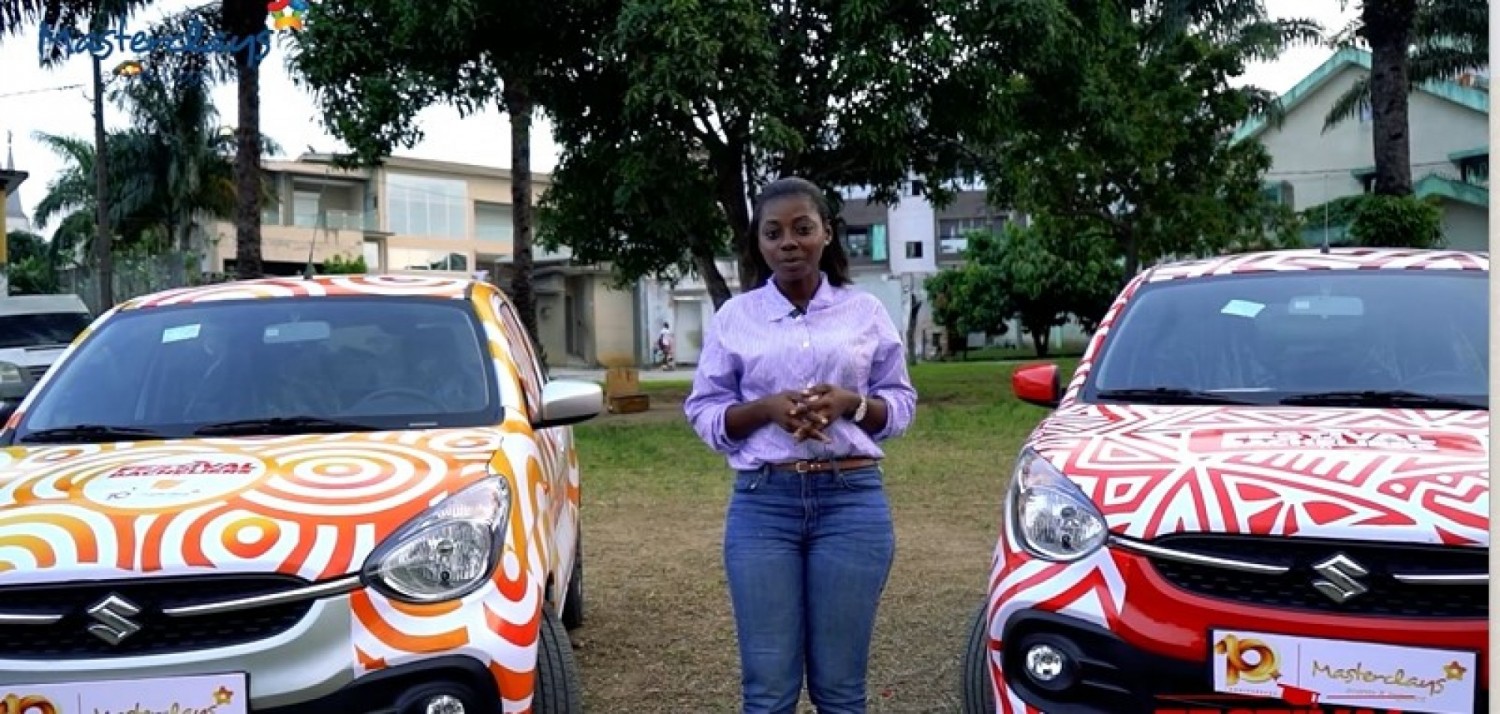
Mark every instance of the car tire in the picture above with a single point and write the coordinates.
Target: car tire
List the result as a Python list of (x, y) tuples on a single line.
[(977, 692), (572, 610), (558, 689)]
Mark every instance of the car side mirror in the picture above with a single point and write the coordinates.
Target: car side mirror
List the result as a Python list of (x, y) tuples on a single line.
[(568, 401), (1039, 384)]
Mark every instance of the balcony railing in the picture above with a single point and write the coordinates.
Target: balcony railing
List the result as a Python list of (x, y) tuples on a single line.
[(334, 219)]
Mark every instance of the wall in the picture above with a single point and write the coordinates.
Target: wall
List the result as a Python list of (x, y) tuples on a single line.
[(1466, 227), (613, 322), (913, 220)]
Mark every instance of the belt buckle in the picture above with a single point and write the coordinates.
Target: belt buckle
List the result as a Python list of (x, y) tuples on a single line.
[(804, 467)]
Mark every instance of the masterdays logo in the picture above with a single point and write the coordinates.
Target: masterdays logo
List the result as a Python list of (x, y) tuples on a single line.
[(195, 37)]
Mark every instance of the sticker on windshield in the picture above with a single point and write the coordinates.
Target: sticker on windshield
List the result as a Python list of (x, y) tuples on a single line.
[(179, 333), (1242, 308)]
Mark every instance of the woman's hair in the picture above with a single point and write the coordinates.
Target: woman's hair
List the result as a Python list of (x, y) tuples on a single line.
[(834, 263)]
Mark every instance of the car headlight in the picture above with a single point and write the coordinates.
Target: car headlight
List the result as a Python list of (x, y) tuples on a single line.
[(1052, 517), (10, 373), (446, 552)]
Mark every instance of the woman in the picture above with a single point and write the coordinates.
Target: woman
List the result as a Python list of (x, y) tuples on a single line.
[(798, 382)]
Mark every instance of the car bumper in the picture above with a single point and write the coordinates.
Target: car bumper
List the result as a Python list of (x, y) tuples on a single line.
[(307, 669), (1140, 644)]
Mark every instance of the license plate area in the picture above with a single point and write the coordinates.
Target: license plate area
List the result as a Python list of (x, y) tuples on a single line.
[(1307, 671), (200, 694)]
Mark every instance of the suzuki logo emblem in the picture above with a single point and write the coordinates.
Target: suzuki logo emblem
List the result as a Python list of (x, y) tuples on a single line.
[(1340, 580), (112, 615)]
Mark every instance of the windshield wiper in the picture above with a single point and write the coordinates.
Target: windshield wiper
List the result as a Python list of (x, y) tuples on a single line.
[(90, 432), (1169, 395), (1382, 398), (281, 426)]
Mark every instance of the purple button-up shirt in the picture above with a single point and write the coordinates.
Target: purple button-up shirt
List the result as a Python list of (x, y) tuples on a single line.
[(756, 346)]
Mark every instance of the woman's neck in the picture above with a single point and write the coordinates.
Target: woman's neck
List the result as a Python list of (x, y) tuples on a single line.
[(799, 292)]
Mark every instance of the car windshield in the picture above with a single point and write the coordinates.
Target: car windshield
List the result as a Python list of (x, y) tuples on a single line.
[(46, 329), (1354, 338), (387, 363)]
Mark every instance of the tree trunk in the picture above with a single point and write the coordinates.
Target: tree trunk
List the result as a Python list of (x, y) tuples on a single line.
[(732, 198), (247, 255), (1132, 255), (518, 105), (1040, 340), (911, 329), (1388, 29), (708, 270)]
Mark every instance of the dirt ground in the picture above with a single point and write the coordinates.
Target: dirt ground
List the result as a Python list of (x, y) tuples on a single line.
[(658, 636)]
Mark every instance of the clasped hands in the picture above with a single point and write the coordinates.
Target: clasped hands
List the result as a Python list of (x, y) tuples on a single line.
[(806, 413)]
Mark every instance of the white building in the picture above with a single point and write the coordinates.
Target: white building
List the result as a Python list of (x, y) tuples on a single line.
[(1449, 130)]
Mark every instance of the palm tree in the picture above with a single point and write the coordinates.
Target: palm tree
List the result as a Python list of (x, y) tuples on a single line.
[(1450, 37)]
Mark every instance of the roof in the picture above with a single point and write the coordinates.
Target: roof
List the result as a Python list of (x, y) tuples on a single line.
[(433, 166), (10, 181), (1463, 95), (442, 288), (41, 304), (1314, 259)]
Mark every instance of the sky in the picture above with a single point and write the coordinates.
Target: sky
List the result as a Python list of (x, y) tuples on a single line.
[(33, 100)]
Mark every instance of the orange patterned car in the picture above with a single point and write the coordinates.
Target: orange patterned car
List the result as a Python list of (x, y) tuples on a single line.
[(1266, 488), (337, 494)]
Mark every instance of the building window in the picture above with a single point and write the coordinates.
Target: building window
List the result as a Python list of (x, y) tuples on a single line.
[(865, 243), (953, 233), (270, 212), (913, 249), (372, 256), (305, 209), (423, 259), (493, 221), (422, 206)]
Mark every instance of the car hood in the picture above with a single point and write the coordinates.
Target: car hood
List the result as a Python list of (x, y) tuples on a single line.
[(1372, 474), (310, 506)]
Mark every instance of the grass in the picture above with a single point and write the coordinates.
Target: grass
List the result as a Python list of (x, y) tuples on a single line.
[(658, 634)]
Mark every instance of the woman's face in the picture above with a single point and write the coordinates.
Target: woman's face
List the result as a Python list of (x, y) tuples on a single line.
[(792, 235)]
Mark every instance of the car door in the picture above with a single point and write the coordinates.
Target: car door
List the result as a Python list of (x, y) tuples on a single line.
[(554, 445)]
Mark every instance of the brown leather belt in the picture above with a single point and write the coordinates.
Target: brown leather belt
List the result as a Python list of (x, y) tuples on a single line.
[(814, 467)]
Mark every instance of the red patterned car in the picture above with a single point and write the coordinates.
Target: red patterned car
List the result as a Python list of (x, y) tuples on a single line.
[(1266, 488)]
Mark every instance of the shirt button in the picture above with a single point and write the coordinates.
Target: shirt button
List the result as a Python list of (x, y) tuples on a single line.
[(805, 344)]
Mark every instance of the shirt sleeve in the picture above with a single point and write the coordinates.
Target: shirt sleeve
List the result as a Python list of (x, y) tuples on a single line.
[(716, 388), (890, 380)]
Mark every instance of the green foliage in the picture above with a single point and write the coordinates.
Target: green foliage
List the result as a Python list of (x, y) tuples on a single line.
[(1037, 274), (685, 109), (340, 265), (1127, 135), (30, 269), (1397, 222), (374, 65)]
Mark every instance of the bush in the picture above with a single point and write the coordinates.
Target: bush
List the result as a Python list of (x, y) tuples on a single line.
[(1397, 222)]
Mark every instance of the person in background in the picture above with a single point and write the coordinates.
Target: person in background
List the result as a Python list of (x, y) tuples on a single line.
[(798, 383), (664, 343)]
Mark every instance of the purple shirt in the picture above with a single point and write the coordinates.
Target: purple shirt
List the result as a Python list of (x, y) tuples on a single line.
[(756, 346)]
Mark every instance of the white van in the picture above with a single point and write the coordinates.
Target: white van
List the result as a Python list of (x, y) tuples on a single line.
[(35, 329)]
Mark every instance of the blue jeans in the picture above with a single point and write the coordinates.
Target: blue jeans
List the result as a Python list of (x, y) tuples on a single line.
[(807, 557)]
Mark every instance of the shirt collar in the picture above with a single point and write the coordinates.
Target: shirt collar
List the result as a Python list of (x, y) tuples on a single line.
[(781, 308)]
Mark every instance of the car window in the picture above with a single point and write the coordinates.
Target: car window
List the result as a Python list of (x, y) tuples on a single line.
[(387, 362), (49, 328), (532, 377), (1266, 337)]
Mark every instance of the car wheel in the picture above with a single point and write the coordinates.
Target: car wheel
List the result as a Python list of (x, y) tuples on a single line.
[(572, 611), (558, 690), (978, 694)]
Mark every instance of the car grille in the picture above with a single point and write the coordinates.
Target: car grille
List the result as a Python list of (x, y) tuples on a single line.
[(37, 371), (1294, 589), (70, 638)]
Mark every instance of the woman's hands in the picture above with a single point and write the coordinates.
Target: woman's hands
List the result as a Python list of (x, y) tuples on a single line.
[(806, 413)]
